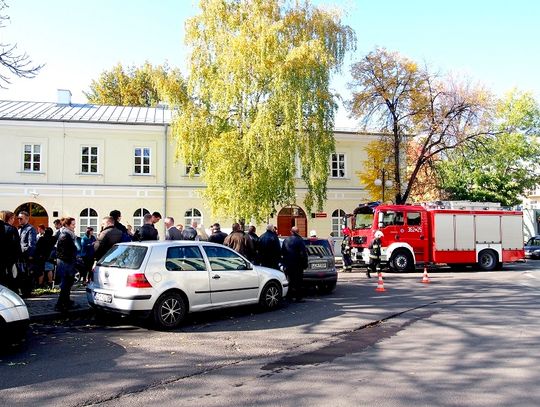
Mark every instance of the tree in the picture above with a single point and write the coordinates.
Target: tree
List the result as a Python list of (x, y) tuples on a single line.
[(377, 162), (259, 101), (13, 62), (499, 168), (411, 105), (146, 85)]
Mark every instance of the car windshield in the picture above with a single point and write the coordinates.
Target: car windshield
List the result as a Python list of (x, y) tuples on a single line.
[(363, 220), (124, 257), (318, 247)]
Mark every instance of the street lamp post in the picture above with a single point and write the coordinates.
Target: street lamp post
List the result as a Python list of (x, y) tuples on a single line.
[(384, 181)]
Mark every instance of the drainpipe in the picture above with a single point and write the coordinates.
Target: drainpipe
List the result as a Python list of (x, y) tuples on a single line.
[(165, 183)]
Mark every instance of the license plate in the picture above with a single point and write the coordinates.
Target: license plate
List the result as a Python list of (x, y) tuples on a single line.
[(318, 265), (107, 298)]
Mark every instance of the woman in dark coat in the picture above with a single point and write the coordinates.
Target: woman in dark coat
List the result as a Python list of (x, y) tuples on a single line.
[(66, 254)]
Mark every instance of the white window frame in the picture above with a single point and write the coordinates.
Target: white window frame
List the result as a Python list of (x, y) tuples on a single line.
[(32, 161), (142, 166), (138, 218), (87, 219), (336, 222), (89, 163), (338, 163), (190, 216)]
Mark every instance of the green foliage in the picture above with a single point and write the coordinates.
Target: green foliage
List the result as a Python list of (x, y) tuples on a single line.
[(138, 86), (260, 97), (499, 168)]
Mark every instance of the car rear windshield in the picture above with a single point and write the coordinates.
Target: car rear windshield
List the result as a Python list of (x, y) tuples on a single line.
[(318, 247), (124, 257)]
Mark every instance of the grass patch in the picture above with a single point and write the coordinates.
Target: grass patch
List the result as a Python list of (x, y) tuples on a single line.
[(38, 292)]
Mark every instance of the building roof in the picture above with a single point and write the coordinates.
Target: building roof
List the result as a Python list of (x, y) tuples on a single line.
[(83, 113)]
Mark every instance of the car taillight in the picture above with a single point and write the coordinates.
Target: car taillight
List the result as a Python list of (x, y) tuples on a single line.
[(138, 281)]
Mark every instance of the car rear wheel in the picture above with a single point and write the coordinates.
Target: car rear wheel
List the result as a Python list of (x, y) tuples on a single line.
[(487, 260), (169, 311), (270, 296)]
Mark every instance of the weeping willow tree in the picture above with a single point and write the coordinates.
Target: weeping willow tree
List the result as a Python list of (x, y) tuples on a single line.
[(260, 102)]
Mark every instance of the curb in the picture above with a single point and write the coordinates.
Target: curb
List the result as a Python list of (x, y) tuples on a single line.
[(56, 315)]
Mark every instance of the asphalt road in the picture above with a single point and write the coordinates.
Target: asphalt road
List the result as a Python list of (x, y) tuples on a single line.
[(467, 338)]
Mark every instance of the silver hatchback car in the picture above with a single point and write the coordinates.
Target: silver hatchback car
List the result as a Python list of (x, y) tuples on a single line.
[(166, 280)]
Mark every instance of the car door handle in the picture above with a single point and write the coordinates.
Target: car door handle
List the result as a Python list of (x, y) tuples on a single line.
[(216, 276)]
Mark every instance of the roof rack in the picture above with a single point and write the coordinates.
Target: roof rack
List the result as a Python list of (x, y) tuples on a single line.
[(461, 205)]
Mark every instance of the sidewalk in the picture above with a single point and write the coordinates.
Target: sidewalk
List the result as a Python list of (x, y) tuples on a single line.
[(42, 308)]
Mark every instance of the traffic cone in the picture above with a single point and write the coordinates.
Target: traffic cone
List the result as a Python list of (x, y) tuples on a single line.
[(425, 279), (380, 284)]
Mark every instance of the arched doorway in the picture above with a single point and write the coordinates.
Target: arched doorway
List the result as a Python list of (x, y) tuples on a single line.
[(38, 214), (290, 216)]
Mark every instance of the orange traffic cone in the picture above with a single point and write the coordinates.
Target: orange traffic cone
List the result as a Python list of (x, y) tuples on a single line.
[(380, 285), (425, 279)]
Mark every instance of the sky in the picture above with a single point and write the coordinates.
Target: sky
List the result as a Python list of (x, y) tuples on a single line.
[(494, 43)]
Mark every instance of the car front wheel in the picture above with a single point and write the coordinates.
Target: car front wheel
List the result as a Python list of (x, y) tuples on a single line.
[(169, 311), (270, 296)]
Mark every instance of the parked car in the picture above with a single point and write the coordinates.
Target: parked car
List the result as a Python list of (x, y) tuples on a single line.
[(321, 270), (532, 248), (14, 317), (166, 280)]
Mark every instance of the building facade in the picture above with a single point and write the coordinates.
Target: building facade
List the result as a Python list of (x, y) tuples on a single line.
[(63, 159)]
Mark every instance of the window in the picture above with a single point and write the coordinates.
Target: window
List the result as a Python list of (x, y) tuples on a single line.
[(138, 216), (142, 160), (392, 218), (413, 219), (187, 258), (221, 258), (337, 220), (196, 170), (124, 257), (338, 166), (192, 215), (88, 218), (32, 158), (89, 160)]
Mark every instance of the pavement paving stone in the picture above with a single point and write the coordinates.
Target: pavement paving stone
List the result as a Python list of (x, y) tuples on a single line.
[(42, 308)]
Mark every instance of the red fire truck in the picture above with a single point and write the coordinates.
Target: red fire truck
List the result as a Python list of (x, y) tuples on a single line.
[(452, 233)]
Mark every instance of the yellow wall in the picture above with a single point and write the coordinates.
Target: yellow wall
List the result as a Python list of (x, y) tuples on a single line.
[(60, 186)]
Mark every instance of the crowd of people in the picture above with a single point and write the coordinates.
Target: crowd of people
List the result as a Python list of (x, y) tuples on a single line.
[(31, 258)]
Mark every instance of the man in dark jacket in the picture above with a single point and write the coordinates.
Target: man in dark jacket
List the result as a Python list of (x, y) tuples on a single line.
[(148, 230), (269, 248), (295, 261), (11, 250), (251, 234), (217, 235), (109, 236), (172, 233), (239, 242)]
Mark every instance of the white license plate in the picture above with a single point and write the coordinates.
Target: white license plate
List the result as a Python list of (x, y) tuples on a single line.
[(318, 265), (107, 298)]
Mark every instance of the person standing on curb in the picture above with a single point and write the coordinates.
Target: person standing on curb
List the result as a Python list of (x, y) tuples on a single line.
[(28, 236), (346, 253), (148, 231), (374, 253), (295, 261), (87, 254), (217, 235), (108, 237), (269, 248), (172, 233), (66, 253), (239, 241)]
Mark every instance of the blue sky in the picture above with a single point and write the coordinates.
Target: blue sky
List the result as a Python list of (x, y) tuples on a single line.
[(492, 42)]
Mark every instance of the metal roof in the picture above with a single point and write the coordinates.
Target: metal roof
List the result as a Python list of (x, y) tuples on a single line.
[(83, 113)]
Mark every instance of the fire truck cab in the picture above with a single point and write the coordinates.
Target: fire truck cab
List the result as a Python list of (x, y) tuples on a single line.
[(451, 232)]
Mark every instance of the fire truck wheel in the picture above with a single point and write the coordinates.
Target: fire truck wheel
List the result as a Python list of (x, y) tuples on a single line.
[(487, 260), (402, 261)]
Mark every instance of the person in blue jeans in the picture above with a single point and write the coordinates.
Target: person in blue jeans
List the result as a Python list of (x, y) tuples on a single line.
[(87, 254)]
